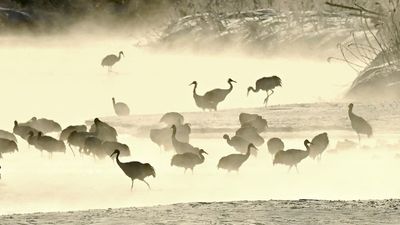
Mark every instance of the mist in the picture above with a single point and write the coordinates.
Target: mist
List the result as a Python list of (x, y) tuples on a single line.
[(61, 78)]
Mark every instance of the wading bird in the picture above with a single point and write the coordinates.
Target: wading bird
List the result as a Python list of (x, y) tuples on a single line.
[(67, 131), (218, 95), (201, 101), (292, 157), (238, 143), (8, 135), (188, 160), (181, 147), (235, 161), (23, 130), (275, 145), (120, 108), (172, 118), (266, 84), (135, 170), (44, 125), (7, 146), (318, 145), (110, 60), (359, 124)]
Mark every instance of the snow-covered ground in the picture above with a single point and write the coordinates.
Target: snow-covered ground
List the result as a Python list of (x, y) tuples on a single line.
[(242, 212)]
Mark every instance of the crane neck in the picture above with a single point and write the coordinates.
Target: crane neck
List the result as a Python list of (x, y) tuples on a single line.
[(230, 85), (174, 132), (202, 158), (117, 158), (113, 101), (194, 89), (307, 146)]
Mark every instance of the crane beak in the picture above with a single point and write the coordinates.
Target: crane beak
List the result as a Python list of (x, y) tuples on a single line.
[(234, 81)]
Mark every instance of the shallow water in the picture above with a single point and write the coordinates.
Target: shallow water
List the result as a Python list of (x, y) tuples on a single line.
[(34, 182)]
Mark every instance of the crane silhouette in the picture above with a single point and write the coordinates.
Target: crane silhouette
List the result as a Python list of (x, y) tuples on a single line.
[(7, 146), (218, 95), (135, 170), (275, 145), (250, 133), (44, 125), (266, 84), (67, 131), (49, 144), (253, 120), (188, 160), (181, 147), (292, 157), (235, 161), (8, 135), (110, 60), (120, 108), (201, 101), (240, 144), (359, 124), (318, 145), (172, 118), (23, 130)]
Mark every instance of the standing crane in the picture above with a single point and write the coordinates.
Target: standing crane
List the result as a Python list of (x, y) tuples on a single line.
[(135, 170), (359, 124), (318, 145), (275, 145), (120, 108), (188, 160), (235, 161), (292, 157), (110, 60), (266, 84), (181, 147), (201, 101), (218, 95)]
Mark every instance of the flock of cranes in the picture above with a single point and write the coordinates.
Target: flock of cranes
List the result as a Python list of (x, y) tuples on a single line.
[(100, 140)]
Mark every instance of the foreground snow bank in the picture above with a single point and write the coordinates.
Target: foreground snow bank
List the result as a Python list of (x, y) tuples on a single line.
[(243, 212)]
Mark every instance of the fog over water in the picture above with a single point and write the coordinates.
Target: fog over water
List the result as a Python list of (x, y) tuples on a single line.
[(61, 78)]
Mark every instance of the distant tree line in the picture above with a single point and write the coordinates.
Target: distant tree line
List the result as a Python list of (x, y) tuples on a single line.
[(154, 11)]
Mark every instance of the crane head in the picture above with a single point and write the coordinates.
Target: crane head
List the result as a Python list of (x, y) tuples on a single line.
[(230, 80), (251, 145), (202, 151), (115, 152), (248, 90), (121, 53), (226, 136), (193, 83), (307, 142), (351, 106)]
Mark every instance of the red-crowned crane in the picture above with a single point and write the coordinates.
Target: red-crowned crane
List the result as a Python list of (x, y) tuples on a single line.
[(120, 108), (201, 101), (266, 84), (188, 160), (110, 60), (292, 157), (218, 95), (135, 170), (275, 145), (235, 161), (359, 124), (318, 145)]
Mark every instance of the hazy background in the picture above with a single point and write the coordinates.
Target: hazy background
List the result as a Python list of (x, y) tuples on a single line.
[(57, 75)]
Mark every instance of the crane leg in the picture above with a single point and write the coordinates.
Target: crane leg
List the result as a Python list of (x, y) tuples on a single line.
[(148, 185), (184, 172), (132, 185), (290, 167), (192, 170), (359, 138), (296, 168)]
